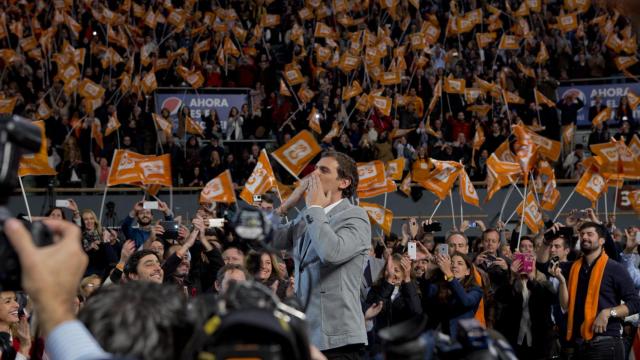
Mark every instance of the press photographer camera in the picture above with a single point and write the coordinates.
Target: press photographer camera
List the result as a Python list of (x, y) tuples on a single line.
[(18, 137)]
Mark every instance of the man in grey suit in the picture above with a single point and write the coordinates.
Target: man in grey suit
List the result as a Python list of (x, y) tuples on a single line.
[(329, 240)]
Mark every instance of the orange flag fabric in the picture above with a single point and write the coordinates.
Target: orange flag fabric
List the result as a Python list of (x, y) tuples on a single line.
[(546, 147), (602, 116), (7, 105), (532, 214), (467, 190), (478, 137), (314, 121), (163, 124), (96, 133), (454, 86), (386, 186), (193, 127), (38, 163), (296, 154), (509, 42), (591, 184), (420, 170), (442, 177), (261, 180), (381, 216), (543, 100), (395, 168), (383, 104), (351, 91), (132, 168), (112, 125), (370, 173), (90, 90), (220, 189)]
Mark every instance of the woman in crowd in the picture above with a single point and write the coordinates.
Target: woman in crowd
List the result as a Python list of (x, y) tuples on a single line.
[(71, 170), (263, 266), (88, 285), (393, 298), (97, 243), (234, 125), (452, 293), (15, 335)]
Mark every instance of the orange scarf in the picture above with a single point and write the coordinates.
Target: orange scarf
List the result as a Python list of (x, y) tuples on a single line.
[(480, 312), (591, 302)]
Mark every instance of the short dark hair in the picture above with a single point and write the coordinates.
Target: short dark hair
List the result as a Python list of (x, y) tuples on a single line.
[(347, 169), (141, 319), (268, 198), (132, 264), (599, 228), (489, 230), (231, 267), (565, 241)]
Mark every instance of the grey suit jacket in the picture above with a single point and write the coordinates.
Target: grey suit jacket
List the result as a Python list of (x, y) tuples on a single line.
[(377, 266), (329, 253)]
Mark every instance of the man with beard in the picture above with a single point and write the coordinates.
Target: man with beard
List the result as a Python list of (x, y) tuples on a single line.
[(144, 218), (592, 290), (144, 265)]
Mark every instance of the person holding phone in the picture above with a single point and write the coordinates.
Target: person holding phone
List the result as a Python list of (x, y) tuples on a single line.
[(525, 320), (101, 253), (392, 299), (144, 218), (451, 293)]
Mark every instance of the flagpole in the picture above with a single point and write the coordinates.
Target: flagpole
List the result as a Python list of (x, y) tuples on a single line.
[(504, 203), (524, 201), (171, 197), (565, 204), (606, 206), (535, 188), (24, 195), (615, 198), (436, 209), (453, 215), (104, 197)]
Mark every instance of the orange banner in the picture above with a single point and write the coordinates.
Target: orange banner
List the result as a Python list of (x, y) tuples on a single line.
[(381, 216), (442, 177), (220, 189), (532, 214), (296, 154), (395, 168), (261, 180), (378, 189), (467, 190), (370, 173), (38, 163)]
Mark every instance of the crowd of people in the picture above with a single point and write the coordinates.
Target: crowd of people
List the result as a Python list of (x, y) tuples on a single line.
[(527, 287), (116, 45)]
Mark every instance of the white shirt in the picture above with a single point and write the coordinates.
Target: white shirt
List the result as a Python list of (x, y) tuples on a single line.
[(329, 207)]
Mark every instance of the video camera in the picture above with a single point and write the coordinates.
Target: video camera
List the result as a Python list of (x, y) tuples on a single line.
[(18, 136)]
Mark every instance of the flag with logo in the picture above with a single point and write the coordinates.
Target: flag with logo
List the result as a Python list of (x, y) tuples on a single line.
[(441, 177), (499, 174), (351, 91), (112, 125), (545, 146), (155, 170), (467, 190), (541, 99), (509, 42), (262, 179), (298, 152), (532, 214), (382, 103), (381, 216), (568, 22), (405, 186), (38, 163), (314, 121), (386, 186), (7, 105), (420, 170), (193, 127), (550, 195), (591, 184), (395, 168), (478, 137), (370, 173), (454, 86), (124, 168), (220, 189), (525, 149), (96, 133), (90, 90), (163, 124), (602, 116), (511, 98), (620, 161)]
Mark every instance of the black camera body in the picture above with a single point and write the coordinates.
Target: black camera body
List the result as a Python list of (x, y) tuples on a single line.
[(18, 136)]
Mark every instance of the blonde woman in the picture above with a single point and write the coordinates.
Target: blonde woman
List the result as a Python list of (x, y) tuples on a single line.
[(98, 244), (89, 285)]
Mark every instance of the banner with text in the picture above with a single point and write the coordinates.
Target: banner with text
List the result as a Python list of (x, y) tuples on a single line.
[(610, 93), (201, 103)]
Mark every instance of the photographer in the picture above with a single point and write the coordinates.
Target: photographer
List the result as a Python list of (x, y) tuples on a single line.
[(144, 218)]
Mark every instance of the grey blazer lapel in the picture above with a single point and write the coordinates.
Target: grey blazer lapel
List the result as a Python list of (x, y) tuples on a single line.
[(342, 205)]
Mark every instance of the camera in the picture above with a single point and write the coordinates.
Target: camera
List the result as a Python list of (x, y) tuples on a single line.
[(433, 227), (18, 136), (170, 230)]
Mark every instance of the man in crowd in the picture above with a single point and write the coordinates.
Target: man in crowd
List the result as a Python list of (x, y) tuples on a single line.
[(144, 265), (144, 218), (229, 273), (330, 241), (592, 291)]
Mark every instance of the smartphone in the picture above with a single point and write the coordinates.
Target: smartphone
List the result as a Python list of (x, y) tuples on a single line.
[(412, 250), (62, 203), (443, 249), (582, 214), (216, 223), (257, 198), (150, 205), (554, 261), (170, 229), (433, 227), (472, 224)]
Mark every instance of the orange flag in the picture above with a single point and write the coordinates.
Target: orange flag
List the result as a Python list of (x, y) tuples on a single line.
[(442, 177), (96, 133), (351, 91), (532, 214), (625, 62), (384, 187), (296, 154), (38, 163), (509, 42), (546, 147), (619, 160), (261, 180), (420, 170), (591, 184), (381, 216), (437, 93), (467, 190), (484, 39), (543, 54), (541, 99), (220, 189), (44, 111), (568, 22), (156, 170), (132, 168), (314, 121), (602, 116), (293, 76), (454, 86), (89, 89), (112, 125), (395, 168), (7, 105), (567, 134), (163, 124), (499, 174), (322, 30), (382, 103), (525, 149), (370, 173), (149, 83), (511, 98), (478, 137), (193, 127), (550, 196), (405, 186)]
